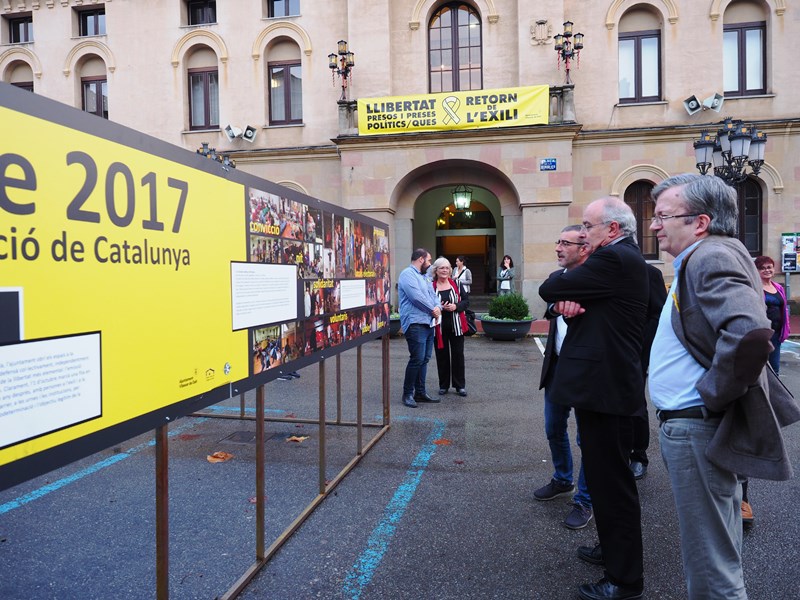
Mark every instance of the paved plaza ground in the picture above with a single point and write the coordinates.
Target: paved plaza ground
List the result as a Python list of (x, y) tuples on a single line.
[(441, 508)]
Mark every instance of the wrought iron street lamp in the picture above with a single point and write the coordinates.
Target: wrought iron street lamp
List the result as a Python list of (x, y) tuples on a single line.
[(568, 49), (730, 151), (462, 196), (341, 65)]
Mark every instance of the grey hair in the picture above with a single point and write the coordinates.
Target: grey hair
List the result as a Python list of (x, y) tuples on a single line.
[(572, 228), (614, 209), (707, 195), (441, 262)]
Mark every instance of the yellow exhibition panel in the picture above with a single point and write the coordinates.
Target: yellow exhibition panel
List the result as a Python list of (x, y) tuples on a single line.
[(114, 248)]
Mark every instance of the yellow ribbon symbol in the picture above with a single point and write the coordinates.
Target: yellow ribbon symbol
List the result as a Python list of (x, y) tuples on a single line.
[(451, 104)]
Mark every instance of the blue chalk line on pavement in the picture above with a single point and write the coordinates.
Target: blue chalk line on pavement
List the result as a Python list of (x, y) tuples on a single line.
[(363, 570), (111, 460)]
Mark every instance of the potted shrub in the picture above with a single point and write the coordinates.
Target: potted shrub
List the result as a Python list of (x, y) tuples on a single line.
[(394, 323), (509, 318)]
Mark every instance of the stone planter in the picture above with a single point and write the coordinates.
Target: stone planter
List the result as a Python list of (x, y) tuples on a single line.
[(506, 330)]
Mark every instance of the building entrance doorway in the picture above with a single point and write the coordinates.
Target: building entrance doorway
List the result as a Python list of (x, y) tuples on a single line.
[(470, 233)]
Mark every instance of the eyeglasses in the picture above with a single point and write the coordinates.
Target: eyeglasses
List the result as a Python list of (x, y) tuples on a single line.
[(568, 243), (588, 226), (659, 219), (767, 268)]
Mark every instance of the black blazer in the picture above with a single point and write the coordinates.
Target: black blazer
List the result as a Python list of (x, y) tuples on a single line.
[(599, 368)]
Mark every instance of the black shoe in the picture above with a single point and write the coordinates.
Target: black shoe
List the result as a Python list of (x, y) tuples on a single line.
[(554, 489), (442, 391), (462, 392), (605, 590), (638, 469), (423, 397), (409, 401), (592, 555), (295, 374)]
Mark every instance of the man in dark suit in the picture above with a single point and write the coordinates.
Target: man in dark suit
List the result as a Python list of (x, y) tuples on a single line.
[(599, 373)]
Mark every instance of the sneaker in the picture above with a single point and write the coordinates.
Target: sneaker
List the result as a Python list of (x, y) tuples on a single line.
[(285, 377), (579, 517), (554, 489), (747, 514)]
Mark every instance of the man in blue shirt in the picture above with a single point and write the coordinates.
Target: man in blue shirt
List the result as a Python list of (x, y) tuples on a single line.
[(419, 310), (715, 300)]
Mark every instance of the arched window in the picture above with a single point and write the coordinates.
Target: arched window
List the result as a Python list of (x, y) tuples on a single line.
[(454, 49), (285, 80), (639, 56), (750, 202), (639, 197), (203, 88), (94, 85)]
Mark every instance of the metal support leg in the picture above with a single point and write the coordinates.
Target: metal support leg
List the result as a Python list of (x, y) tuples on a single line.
[(359, 404), (162, 513), (260, 491), (322, 484)]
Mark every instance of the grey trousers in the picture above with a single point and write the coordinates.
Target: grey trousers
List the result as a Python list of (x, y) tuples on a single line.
[(708, 500)]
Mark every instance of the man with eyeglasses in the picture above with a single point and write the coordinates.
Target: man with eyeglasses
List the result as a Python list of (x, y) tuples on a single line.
[(419, 311), (720, 415), (599, 373), (571, 251)]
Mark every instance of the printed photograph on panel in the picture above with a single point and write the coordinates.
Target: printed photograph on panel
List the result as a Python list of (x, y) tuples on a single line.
[(265, 211), (267, 351), (339, 245), (328, 266), (292, 253), (312, 262), (349, 248), (265, 250), (333, 298), (293, 220), (314, 225), (290, 341), (327, 226)]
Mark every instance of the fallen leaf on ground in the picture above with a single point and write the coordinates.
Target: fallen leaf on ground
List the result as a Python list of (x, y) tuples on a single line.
[(252, 499), (297, 438), (442, 442), (187, 436), (218, 457), (289, 416), (459, 462)]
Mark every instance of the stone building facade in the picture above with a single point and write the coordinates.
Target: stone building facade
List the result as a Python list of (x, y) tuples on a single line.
[(182, 70)]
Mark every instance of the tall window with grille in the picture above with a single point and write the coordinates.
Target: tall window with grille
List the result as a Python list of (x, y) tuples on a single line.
[(639, 197), (285, 93), (750, 213), (203, 98), (454, 49), (95, 96)]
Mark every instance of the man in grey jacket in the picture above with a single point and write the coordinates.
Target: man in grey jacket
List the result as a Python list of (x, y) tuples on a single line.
[(709, 355)]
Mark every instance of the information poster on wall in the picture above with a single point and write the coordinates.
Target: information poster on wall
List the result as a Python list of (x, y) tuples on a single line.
[(141, 282), (790, 246)]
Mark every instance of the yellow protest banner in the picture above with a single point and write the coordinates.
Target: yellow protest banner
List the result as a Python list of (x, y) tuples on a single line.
[(477, 109)]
